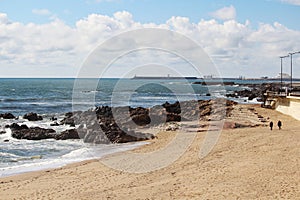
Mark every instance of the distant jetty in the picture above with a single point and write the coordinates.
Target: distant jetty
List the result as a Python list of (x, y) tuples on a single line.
[(215, 83), (166, 77)]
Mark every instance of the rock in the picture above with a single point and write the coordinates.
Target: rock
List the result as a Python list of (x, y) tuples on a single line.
[(6, 140), (97, 137), (262, 120), (16, 126), (203, 104), (141, 120), (229, 125), (132, 137), (71, 118), (7, 116), (53, 118), (171, 117), (67, 134), (190, 110), (68, 114), (54, 124), (101, 125), (32, 117), (68, 121), (158, 115), (206, 111), (172, 108), (233, 125), (33, 133), (172, 127)]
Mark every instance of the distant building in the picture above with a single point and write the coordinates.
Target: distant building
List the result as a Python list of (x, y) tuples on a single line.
[(284, 76), (264, 77), (208, 76)]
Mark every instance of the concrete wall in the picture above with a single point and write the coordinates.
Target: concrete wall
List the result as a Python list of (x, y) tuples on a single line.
[(289, 106)]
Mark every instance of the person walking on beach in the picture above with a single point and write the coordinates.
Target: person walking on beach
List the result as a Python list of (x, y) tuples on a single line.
[(271, 125), (279, 124)]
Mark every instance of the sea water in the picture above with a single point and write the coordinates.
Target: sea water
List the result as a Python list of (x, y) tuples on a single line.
[(54, 97)]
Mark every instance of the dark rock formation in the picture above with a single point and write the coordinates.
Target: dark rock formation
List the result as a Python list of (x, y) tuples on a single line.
[(140, 116), (67, 134), (256, 91), (101, 126), (53, 118), (54, 124), (119, 124), (32, 117), (68, 121), (37, 133), (172, 108), (7, 116), (16, 126), (33, 133)]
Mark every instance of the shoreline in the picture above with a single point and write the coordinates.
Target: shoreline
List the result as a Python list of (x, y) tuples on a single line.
[(62, 161), (41, 163), (245, 163)]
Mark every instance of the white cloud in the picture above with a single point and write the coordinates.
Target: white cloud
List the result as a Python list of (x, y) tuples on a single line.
[(44, 12), (57, 49), (3, 18), (225, 13), (292, 2)]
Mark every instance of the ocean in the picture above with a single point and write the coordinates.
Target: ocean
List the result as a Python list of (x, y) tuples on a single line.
[(54, 97)]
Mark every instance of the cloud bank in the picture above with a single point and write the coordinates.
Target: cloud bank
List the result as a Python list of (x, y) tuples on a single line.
[(57, 49)]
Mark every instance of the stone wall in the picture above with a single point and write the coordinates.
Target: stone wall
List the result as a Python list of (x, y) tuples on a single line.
[(289, 106)]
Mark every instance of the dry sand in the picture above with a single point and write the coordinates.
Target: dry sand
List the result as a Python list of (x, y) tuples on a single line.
[(246, 163)]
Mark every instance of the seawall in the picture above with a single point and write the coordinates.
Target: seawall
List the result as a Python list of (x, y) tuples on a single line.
[(289, 105)]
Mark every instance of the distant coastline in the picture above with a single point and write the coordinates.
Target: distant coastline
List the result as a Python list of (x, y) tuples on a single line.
[(165, 77)]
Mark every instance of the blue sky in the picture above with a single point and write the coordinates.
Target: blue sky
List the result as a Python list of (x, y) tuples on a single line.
[(39, 38), (157, 11)]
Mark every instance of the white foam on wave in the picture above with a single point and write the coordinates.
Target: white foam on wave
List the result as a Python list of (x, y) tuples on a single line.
[(86, 153), (244, 100), (7, 135)]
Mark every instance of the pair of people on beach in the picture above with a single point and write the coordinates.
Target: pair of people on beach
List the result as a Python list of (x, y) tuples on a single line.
[(279, 124)]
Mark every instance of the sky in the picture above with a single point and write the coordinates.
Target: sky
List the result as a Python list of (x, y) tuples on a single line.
[(55, 38)]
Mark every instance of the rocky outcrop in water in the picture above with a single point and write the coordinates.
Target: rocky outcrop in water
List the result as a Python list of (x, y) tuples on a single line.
[(7, 116), (256, 91), (37, 133), (100, 125), (32, 117), (32, 133), (120, 124), (67, 134)]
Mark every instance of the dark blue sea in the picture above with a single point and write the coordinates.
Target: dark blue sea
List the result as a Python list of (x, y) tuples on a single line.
[(54, 97), (51, 96)]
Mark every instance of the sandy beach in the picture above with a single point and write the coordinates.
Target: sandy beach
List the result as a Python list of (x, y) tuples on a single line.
[(246, 163)]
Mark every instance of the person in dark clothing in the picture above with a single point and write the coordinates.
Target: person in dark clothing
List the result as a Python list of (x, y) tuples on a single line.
[(271, 125), (279, 124)]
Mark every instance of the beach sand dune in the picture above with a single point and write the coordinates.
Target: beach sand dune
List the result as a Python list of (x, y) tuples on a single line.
[(246, 163)]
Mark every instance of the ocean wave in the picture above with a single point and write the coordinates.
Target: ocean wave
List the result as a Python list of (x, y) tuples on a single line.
[(8, 155), (34, 163)]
